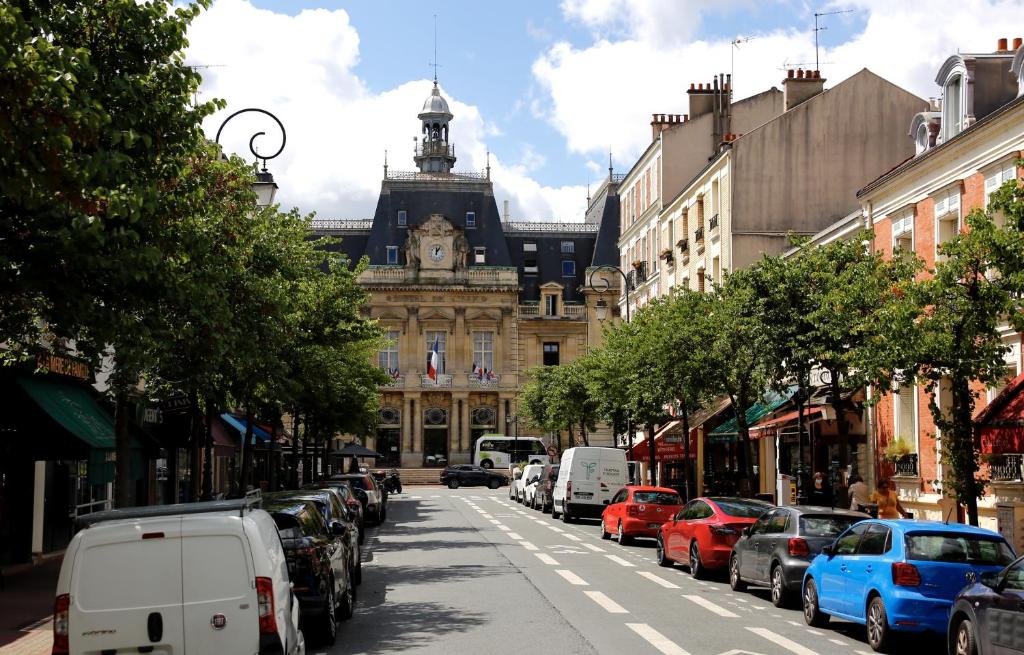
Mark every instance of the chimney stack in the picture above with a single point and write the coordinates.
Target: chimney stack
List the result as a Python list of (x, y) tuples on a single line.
[(1001, 45), (1017, 43), (801, 86), (506, 211)]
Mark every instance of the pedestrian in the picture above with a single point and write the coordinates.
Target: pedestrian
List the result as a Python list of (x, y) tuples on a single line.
[(889, 506), (821, 490), (860, 497)]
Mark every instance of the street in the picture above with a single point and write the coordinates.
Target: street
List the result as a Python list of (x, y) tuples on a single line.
[(470, 571)]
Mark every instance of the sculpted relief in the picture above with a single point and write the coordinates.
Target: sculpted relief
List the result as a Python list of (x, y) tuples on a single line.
[(436, 245)]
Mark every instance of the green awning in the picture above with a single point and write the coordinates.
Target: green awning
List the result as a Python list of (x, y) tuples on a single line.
[(74, 408), (727, 432)]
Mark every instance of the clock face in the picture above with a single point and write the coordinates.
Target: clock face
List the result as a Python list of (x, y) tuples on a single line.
[(437, 252)]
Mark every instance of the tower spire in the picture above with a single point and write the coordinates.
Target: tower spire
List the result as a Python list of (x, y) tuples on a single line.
[(609, 164), (434, 63)]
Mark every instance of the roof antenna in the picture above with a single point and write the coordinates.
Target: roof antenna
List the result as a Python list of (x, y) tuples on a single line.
[(488, 164), (434, 63), (609, 163), (385, 162), (817, 29)]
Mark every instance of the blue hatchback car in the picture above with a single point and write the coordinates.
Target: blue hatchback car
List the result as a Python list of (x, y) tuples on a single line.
[(898, 575)]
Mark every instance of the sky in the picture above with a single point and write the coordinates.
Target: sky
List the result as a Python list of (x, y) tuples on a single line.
[(548, 88)]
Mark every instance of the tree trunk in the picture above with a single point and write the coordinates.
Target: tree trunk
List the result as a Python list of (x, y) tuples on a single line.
[(963, 434), (688, 465), (583, 431), (208, 453), (306, 476), (653, 454), (123, 451)]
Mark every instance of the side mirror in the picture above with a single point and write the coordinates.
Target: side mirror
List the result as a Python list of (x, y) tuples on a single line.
[(338, 529), (828, 549), (991, 580)]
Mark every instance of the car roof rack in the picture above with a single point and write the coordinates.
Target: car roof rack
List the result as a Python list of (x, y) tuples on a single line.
[(253, 500)]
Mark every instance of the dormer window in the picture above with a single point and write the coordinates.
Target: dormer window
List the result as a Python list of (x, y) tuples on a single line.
[(921, 139), (470, 219), (392, 252), (953, 107), (403, 218), (479, 255)]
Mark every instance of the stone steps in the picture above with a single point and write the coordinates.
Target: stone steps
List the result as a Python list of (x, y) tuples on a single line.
[(420, 476)]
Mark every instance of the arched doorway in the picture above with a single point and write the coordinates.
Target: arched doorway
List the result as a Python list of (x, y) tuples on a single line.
[(389, 437), (435, 436)]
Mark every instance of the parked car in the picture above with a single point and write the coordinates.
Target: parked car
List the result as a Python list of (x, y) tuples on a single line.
[(204, 577), (898, 575), (467, 475), (988, 614), (514, 474), (639, 512), (702, 534), (542, 496), (323, 583), (528, 483), (329, 502), (354, 499), (373, 509), (588, 477), (777, 549)]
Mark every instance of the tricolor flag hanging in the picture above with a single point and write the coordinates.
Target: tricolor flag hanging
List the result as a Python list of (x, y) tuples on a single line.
[(435, 363)]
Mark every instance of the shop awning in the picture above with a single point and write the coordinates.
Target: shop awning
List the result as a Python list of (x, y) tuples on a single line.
[(1001, 423), (727, 432), (74, 408), (783, 419), (664, 452), (697, 418), (239, 424)]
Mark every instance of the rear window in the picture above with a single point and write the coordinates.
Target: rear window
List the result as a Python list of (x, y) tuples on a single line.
[(742, 509), (960, 548), (359, 483), (656, 498), (825, 526), (288, 526)]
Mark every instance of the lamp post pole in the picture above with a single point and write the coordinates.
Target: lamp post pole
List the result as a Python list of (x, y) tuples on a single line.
[(513, 420), (265, 187)]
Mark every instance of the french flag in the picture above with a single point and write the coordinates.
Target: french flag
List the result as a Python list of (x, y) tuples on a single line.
[(435, 362)]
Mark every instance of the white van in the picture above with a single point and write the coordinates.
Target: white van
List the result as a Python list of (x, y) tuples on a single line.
[(587, 480), (188, 579), (524, 486)]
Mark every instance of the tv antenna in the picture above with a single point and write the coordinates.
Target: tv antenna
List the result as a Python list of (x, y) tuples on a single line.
[(732, 53), (434, 63), (817, 29)]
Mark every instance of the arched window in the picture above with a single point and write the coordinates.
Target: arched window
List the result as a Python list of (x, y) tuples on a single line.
[(921, 138), (953, 107)]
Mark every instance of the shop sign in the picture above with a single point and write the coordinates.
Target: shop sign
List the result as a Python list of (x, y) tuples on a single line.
[(61, 365), (175, 405), (153, 415)]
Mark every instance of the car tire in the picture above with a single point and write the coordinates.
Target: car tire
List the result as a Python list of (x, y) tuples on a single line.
[(566, 517), (487, 464), (965, 642), (696, 566), (453, 484), (604, 533), (736, 583), (623, 538), (329, 621), (493, 484), (780, 594), (662, 554), (813, 616), (554, 511), (877, 624), (347, 607)]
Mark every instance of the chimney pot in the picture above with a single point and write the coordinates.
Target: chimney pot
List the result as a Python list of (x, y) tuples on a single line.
[(692, 86), (1001, 46), (686, 117), (1017, 43), (700, 87), (789, 73), (799, 73)]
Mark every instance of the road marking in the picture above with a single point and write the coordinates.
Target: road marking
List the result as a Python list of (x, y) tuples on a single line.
[(505, 528), (572, 578), (594, 548), (607, 603), (817, 634), (495, 521), (788, 644), (486, 515), (435, 496), (415, 497), (799, 625), (527, 545), (514, 535), (619, 560), (742, 600), (712, 607), (656, 639), (662, 581), (547, 559), (554, 529), (573, 537), (838, 642)]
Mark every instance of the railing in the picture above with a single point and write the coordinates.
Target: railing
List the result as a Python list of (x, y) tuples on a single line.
[(683, 245), (569, 311), (907, 465), (491, 380), (443, 380), (378, 273), (575, 311), (342, 224), (698, 234), (398, 381), (435, 148), (618, 177), (542, 226), (713, 223), (1007, 468), (102, 504), (464, 176), (492, 274), (529, 311)]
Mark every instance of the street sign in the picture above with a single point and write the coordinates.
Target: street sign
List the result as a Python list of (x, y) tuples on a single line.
[(673, 438)]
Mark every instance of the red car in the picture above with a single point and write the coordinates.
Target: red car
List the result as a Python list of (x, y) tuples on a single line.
[(639, 512), (703, 533)]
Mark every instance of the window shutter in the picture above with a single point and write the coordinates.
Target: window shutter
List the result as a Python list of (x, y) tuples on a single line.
[(906, 428), (941, 204)]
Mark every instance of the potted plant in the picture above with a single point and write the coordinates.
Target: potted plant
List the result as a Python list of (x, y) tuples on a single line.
[(667, 255), (638, 264), (896, 450)]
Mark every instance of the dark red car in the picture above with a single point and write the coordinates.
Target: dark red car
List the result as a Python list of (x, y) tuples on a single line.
[(703, 533), (639, 512)]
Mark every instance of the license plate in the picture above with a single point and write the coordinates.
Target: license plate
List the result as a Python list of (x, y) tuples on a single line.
[(654, 525), (583, 494)]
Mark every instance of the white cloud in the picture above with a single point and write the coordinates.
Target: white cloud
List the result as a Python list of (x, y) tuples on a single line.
[(301, 69), (604, 94)]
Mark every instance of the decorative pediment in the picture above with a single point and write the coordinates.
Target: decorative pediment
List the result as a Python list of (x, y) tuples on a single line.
[(436, 226), (436, 314), (552, 286), (483, 315)]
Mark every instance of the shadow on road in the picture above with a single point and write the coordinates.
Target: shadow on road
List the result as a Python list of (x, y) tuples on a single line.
[(403, 625)]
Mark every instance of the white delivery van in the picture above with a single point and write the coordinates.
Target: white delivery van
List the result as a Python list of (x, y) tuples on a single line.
[(191, 579), (587, 480)]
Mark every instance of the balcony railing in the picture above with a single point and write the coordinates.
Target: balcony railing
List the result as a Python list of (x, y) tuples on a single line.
[(574, 311), (491, 380), (443, 380), (397, 381), (713, 223), (907, 465), (698, 235), (1007, 468), (435, 149), (568, 311), (683, 245)]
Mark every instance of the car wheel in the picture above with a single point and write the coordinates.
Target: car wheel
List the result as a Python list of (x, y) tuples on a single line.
[(662, 556), (359, 572), (624, 539), (780, 595), (554, 511), (696, 566), (735, 581), (453, 484), (487, 464), (566, 518), (493, 484), (966, 644), (877, 624), (348, 603), (813, 616), (604, 533), (329, 623)]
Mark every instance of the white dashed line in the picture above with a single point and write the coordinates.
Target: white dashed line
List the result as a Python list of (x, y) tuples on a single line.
[(495, 521), (838, 642), (572, 578), (788, 644), (594, 548), (711, 607), (799, 625), (658, 580), (573, 537), (527, 545), (547, 559), (607, 603), (816, 633), (554, 529), (505, 528), (656, 639), (619, 560)]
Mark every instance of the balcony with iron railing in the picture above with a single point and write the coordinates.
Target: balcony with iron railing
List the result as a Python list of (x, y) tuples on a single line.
[(698, 234), (488, 380), (1007, 468), (906, 466), (443, 380), (567, 311), (435, 149), (713, 223)]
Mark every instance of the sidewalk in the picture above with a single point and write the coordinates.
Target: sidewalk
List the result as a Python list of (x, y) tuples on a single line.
[(26, 603)]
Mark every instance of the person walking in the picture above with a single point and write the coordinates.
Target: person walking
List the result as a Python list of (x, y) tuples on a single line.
[(860, 496), (889, 506)]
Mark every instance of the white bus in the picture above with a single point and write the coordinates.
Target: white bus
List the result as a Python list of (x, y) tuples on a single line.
[(496, 451)]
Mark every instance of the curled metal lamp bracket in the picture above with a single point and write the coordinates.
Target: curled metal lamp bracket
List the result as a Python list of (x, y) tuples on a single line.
[(252, 141), (606, 285)]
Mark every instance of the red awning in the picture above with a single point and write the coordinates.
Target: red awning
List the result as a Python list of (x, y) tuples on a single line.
[(782, 419), (664, 451), (1001, 423), (224, 444)]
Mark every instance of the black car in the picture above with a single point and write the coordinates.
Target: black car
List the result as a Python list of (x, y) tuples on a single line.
[(331, 504), (320, 575), (542, 498), (988, 614), (374, 508), (467, 475), (354, 499), (777, 549)]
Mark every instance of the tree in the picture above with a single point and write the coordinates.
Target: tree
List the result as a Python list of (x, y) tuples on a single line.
[(533, 401), (568, 401)]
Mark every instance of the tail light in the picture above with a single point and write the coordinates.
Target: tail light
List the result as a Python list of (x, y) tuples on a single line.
[(798, 547), (722, 530), (265, 601), (568, 489), (632, 510), (61, 610), (905, 575)]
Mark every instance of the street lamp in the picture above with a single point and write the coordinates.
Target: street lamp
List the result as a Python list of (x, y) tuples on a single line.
[(264, 187), (602, 306), (509, 420)]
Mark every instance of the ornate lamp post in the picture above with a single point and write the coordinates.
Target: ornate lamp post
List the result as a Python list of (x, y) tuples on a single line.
[(511, 419), (265, 187)]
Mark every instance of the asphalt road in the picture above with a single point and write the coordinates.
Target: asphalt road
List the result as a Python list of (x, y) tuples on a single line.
[(470, 571)]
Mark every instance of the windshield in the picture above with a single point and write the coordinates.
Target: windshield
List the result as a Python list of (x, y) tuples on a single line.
[(961, 548), (656, 498), (744, 509), (825, 526)]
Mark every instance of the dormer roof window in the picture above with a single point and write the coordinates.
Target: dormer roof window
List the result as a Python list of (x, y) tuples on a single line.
[(924, 130), (953, 107)]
